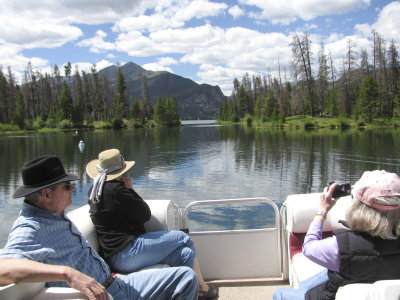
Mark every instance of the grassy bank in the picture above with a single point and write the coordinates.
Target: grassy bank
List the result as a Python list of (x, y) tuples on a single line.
[(307, 122), (67, 126)]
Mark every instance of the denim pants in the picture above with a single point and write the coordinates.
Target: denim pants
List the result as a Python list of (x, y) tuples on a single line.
[(304, 286), (164, 284), (174, 248)]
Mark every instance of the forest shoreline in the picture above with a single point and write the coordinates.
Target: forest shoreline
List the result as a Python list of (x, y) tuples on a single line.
[(292, 123)]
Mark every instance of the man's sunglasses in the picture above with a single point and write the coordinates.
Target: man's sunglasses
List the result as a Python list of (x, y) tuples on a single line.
[(68, 186)]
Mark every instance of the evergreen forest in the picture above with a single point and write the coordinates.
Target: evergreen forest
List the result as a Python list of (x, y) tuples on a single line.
[(365, 88), (56, 101)]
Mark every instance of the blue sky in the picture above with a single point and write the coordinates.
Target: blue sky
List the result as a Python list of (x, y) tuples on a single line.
[(204, 40)]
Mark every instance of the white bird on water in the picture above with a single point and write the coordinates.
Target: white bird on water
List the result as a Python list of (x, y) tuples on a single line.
[(81, 145)]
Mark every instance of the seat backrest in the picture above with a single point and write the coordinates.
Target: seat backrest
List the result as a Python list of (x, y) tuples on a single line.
[(163, 217), (81, 218), (301, 209)]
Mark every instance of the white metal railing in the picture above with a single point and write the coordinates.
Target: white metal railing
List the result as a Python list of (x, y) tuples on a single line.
[(263, 244), (228, 201)]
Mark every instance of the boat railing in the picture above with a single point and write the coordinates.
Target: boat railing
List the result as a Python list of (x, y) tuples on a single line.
[(238, 253), (193, 204)]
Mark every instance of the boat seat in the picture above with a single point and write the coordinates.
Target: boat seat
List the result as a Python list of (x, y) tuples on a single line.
[(300, 211), (163, 217)]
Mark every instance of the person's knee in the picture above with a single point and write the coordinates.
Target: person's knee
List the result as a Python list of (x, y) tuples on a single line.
[(189, 274), (187, 257)]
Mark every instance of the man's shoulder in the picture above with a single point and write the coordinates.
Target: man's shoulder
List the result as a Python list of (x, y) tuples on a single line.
[(24, 228)]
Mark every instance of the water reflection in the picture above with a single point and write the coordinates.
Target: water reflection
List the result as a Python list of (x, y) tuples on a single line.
[(204, 161)]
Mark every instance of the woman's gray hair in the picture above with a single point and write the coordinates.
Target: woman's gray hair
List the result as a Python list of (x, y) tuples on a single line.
[(377, 223)]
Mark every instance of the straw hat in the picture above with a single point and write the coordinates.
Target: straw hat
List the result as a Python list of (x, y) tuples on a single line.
[(111, 161)]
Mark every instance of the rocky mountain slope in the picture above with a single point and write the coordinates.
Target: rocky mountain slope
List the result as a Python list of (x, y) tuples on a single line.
[(195, 101)]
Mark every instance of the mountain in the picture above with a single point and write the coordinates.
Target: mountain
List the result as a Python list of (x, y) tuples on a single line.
[(195, 101)]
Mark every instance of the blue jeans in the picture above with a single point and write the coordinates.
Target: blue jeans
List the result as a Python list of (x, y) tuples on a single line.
[(304, 286), (164, 284), (174, 248)]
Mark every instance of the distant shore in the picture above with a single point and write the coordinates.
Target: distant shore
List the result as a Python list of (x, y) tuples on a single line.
[(294, 122), (307, 122)]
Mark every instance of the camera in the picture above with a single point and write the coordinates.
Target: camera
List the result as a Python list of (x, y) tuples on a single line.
[(341, 190)]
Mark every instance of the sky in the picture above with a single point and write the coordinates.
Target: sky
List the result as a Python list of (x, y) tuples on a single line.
[(208, 41)]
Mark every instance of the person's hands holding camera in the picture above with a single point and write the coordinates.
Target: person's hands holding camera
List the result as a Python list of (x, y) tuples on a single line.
[(326, 202)]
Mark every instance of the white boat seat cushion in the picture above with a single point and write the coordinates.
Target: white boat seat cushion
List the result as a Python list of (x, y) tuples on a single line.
[(379, 290)]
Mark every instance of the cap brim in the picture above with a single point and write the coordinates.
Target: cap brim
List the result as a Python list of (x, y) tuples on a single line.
[(23, 191), (92, 171)]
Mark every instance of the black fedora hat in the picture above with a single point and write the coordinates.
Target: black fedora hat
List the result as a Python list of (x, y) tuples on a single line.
[(42, 172)]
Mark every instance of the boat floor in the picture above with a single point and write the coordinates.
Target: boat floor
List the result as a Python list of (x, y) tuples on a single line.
[(248, 290)]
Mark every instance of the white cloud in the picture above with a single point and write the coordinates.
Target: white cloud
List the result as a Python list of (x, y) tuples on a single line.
[(161, 64), (221, 52), (85, 66), (363, 30), (33, 33), (167, 61), (286, 12), (97, 43), (10, 56), (388, 24), (171, 16), (236, 12), (338, 47), (156, 67)]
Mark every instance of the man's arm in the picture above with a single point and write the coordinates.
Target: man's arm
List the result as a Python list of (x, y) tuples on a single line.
[(23, 270)]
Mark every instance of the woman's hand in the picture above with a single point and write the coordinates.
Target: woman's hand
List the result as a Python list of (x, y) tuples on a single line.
[(326, 200)]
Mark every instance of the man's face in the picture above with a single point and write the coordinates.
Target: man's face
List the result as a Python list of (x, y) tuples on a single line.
[(59, 197)]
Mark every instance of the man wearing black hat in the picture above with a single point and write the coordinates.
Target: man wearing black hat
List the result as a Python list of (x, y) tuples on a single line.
[(43, 233)]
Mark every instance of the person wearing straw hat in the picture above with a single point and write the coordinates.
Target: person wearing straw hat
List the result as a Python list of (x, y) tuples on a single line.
[(367, 252), (119, 213), (44, 245)]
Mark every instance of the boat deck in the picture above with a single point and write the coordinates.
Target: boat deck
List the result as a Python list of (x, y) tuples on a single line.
[(248, 290)]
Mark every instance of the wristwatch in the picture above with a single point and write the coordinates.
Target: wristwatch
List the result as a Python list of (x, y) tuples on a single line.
[(321, 213)]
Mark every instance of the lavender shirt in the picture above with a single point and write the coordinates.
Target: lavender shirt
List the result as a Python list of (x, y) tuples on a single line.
[(324, 252)]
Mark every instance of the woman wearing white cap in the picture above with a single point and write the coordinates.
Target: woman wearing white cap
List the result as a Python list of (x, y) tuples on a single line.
[(119, 214), (368, 252)]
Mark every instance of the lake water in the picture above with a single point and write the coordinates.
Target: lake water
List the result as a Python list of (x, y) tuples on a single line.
[(201, 160)]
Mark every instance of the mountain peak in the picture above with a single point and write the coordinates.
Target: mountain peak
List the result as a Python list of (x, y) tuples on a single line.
[(194, 100)]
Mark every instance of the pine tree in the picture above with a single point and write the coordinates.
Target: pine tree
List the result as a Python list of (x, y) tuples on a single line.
[(117, 117), (77, 116), (135, 113), (366, 102), (19, 116), (64, 111), (160, 111), (172, 112), (223, 111), (4, 97), (121, 93)]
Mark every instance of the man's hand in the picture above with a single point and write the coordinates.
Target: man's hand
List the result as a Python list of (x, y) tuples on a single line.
[(24, 270), (87, 285)]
